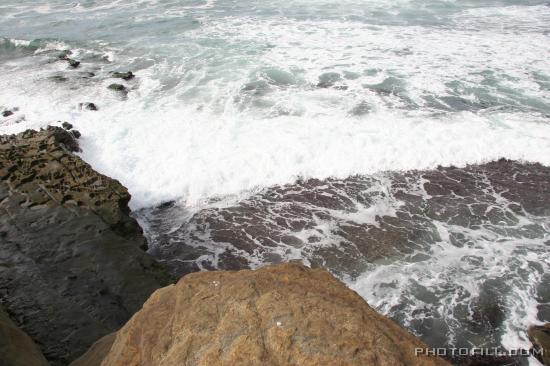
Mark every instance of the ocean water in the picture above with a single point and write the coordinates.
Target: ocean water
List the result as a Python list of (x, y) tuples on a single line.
[(233, 99)]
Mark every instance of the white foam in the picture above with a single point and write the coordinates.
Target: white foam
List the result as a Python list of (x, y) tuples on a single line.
[(187, 130), (447, 273), (192, 156), (172, 151)]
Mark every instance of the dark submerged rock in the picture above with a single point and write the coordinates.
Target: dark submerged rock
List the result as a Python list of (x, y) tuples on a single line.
[(58, 78), (167, 204), (7, 113), (543, 312), (117, 87), (488, 308), (73, 266), (87, 74), (468, 197), (460, 196), (73, 63), (123, 75), (64, 55), (88, 106)]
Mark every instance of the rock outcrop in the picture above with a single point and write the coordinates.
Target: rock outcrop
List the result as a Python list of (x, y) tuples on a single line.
[(72, 265), (117, 87), (285, 314), (17, 348), (540, 337), (128, 75)]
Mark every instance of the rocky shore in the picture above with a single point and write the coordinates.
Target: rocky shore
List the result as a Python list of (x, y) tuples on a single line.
[(16, 347), (74, 275), (73, 266), (74, 270)]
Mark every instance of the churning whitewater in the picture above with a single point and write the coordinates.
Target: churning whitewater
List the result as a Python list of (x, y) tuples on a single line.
[(240, 108), (232, 96)]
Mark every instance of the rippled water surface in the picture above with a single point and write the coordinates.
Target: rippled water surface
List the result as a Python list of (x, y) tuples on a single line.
[(313, 130)]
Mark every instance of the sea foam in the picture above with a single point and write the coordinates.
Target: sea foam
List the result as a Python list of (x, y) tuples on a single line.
[(245, 100)]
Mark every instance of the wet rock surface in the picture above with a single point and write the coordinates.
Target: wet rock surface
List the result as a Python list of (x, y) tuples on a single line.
[(540, 336), (58, 78), (88, 106), (286, 314), (67, 126), (64, 56), (453, 254), (73, 266), (17, 348), (128, 75), (346, 224), (117, 87), (73, 63)]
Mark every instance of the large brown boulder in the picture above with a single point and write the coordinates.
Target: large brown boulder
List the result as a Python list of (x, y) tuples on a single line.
[(17, 348), (72, 265), (285, 314)]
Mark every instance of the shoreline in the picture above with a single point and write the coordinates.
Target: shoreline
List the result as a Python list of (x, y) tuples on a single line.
[(28, 154)]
